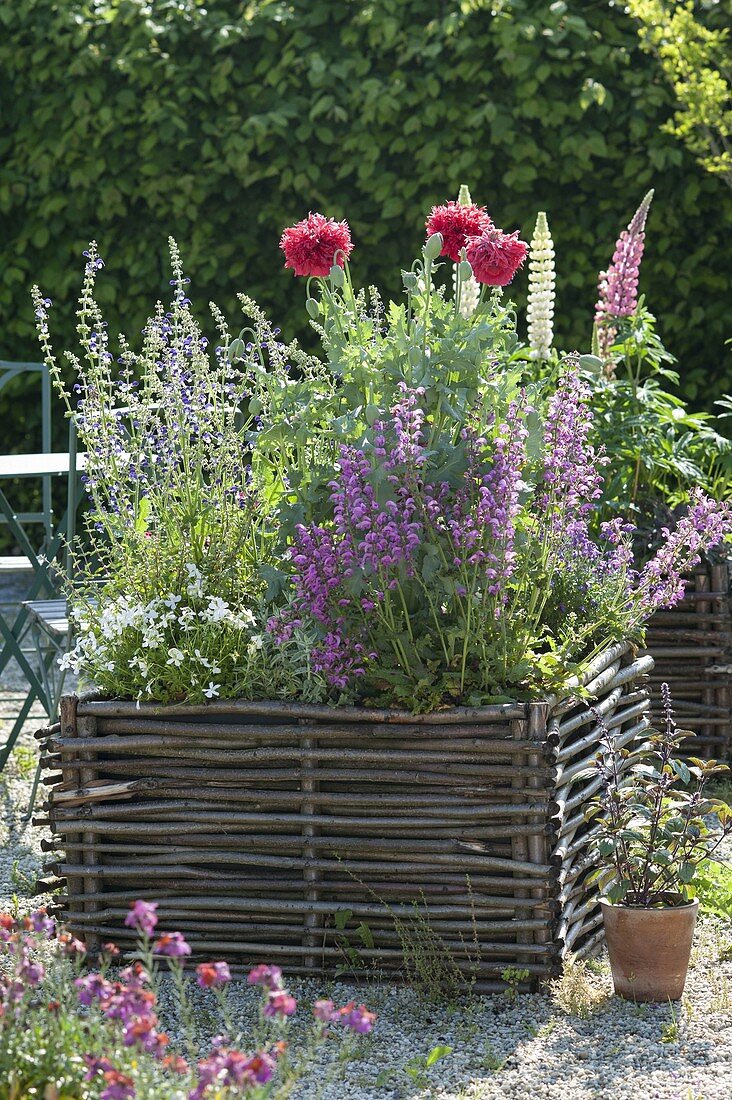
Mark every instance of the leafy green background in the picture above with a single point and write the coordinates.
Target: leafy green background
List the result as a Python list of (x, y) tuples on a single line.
[(221, 122)]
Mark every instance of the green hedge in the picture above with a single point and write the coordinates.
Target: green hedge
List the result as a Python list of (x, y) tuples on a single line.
[(129, 121)]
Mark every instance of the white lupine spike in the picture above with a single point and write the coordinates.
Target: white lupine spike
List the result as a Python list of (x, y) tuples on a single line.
[(540, 308), (470, 288)]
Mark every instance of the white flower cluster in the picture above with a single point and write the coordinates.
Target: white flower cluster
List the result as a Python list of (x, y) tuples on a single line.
[(470, 288), (540, 308), (143, 632), (469, 293)]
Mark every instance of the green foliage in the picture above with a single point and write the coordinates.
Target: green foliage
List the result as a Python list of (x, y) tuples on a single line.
[(513, 977), (414, 1071), (224, 122), (657, 448), (713, 888), (574, 990), (695, 60)]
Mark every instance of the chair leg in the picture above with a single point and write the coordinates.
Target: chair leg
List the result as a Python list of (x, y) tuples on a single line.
[(54, 700), (34, 791), (9, 745)]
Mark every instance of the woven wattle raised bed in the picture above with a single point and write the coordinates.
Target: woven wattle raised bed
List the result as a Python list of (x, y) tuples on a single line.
[(692, 649), (253, 824)]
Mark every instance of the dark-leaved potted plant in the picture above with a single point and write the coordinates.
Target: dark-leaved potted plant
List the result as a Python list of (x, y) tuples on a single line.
[(653, 832)]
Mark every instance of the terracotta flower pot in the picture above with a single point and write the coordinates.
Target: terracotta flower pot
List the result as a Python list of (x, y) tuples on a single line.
[(649, 949)]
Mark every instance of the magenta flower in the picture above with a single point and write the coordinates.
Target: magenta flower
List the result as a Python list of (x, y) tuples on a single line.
[(212, 975), (70, 946), (324, 1010), (31, 973), (269, 977), (92, 987), (357, 1018), (141, 1031), (495, 256), (127, 1003), (230, 1068), (118, 1086), (96, 1065), (171, 944), (42, 923), (261, 1067), (143, 916), (135, 975), (618, 286), (279, 1003)]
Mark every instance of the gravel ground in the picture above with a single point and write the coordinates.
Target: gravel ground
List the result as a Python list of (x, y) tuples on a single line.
[(528, 1048)]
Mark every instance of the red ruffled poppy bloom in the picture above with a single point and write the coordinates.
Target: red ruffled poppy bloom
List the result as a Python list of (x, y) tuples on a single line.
[(310, 247), (495, 256), (456, 223)]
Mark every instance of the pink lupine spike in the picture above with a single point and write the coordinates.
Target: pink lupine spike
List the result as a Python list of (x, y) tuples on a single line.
[(618, 286)]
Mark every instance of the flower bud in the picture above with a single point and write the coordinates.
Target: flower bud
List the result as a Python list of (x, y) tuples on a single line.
[(313, 308), (237, 349), (433, 248)]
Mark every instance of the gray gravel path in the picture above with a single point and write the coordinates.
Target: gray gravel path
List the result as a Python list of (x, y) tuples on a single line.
[(530, 1048)]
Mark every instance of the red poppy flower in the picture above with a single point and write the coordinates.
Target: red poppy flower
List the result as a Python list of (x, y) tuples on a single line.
[(495, 256), (310, 247), (456, 223)]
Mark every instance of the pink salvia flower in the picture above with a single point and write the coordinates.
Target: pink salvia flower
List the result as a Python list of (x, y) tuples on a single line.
[(142, 916), (618, 286), (706, 524)]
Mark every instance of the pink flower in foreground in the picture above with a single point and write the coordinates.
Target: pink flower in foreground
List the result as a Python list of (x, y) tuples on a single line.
[(230, 1068), (142, 916), (618, 286), (495, 256), (171, 944), (312, 246), (211, 975), (455, 223)]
